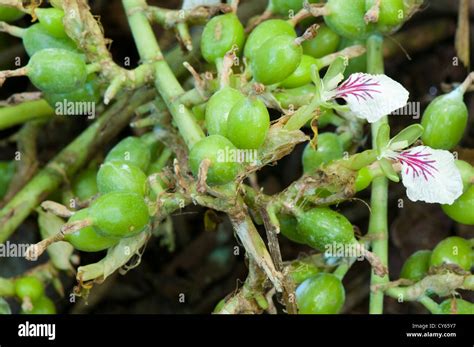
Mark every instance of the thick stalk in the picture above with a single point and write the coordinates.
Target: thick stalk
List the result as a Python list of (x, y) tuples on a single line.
[(255, 247), (378, 218), (29, 110), (165, 81), (69, 161)]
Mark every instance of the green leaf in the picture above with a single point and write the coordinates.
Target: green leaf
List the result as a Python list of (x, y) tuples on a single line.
[(407, 136), (4, 307), (388, 170), (398, 146), (335, 73), (117, 257), (279, 143), (359, 160), (383, 138)]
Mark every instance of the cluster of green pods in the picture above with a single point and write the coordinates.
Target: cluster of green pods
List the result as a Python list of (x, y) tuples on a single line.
[(56, 66), (120, 209), (453, 250)]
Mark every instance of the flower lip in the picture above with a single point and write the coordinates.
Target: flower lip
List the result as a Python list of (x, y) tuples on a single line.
[(370, 97), (429, 174), (419, 163), (359, 85)]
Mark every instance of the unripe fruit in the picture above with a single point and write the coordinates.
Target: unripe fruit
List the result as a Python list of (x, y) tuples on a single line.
[(416, 266), (221, 34), (467, 173), (264, 31), (346, 18), (248, 123), (120, 176), (363, 179), (218, 108), (276, 59), (460, 307), (52, 20), (43, 305), (131, 150), (391, 14), (289, 228), (461, 209), (57, 70), (325, 42), (88, 239), (302, 75), (320, 294), (453, 250), (322, 227), (284, 7), (119, 214), (37, 38), (329, 148), (29, 287), (89, 93), (214, 147), (445, 120), (84, 185), (300, 271)]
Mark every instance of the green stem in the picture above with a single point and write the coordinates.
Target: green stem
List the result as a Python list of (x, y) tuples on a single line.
[(69, 161), (192, 97), (182, 30), (430, 304), (378, 218), (95, 67), (343, 268), (303, 115), (161, 161), (442, 285), (12, 30), (403, 294), (349, 52), (29, 110), (165, 81)]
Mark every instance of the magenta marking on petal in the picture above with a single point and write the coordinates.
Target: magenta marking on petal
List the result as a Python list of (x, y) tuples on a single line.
[(361, 87), (419, 162)]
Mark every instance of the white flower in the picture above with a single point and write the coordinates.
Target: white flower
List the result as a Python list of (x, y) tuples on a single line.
[(190, 4), (371, 97), (429, 174)]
